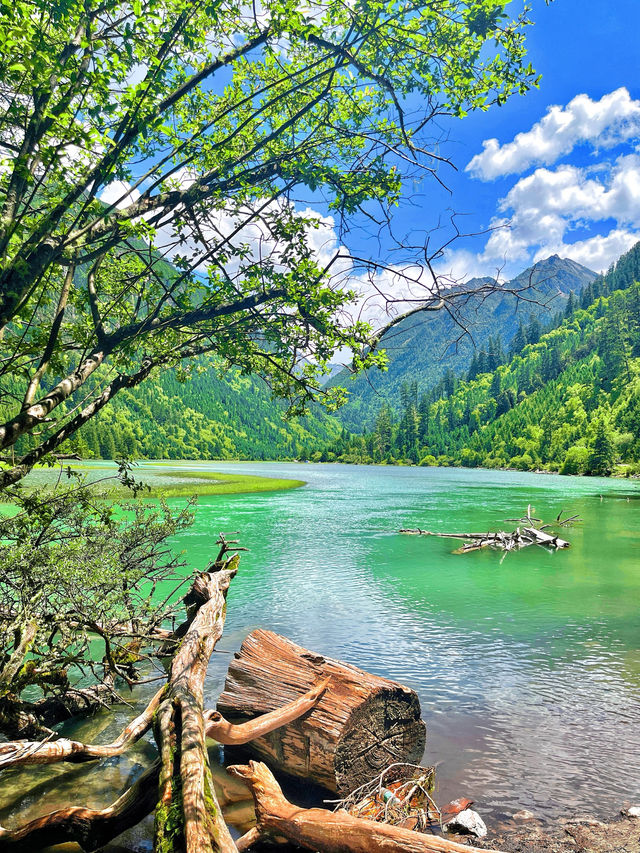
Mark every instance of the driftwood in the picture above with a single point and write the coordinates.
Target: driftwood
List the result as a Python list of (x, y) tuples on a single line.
[(179, 785), (228, 734), (361, 724), (188, 815), (523, 536), (16, 753), (331, 832)]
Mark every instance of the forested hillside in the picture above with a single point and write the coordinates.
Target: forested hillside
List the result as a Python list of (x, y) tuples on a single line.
[(425, 347), (210, 416), (568, 402)]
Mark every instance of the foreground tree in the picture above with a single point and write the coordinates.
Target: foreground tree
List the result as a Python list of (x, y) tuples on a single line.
[(132, 134), (86, 591)]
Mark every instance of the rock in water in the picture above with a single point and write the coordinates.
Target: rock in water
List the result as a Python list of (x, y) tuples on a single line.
[(468, 822), (525, 814), (632, 811)]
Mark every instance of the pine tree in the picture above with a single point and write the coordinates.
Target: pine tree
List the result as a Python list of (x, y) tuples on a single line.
[(602, 455), (534, 331), (473, 368), (572, 304), (382, 433), (519, 340)]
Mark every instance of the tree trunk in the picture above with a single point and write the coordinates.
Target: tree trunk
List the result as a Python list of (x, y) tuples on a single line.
[(361, 724), (188, 816)]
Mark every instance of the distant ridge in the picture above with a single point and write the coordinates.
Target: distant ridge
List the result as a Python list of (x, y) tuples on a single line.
[(423, 348), (567, 400)]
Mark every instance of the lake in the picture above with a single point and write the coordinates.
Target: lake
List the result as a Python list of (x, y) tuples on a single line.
[(527, 666)]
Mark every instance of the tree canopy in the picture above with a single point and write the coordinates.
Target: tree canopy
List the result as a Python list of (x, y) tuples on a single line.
[(150, 157)]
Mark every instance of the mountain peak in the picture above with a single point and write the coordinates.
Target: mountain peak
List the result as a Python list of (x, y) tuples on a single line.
[(423, 347)]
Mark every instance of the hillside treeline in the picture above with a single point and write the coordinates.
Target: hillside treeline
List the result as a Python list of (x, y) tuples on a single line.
[(567, 400), (212, 415)]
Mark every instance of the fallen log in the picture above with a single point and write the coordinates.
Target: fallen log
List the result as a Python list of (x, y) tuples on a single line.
[(531, 534), (360, 724), (503, 541), (188, 816), (331, 832)]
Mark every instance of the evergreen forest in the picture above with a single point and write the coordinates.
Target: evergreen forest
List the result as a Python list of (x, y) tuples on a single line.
[(213, 414), (563, 399)]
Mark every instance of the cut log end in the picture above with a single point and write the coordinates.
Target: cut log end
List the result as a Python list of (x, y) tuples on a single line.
[(386, 728), (361, 724)]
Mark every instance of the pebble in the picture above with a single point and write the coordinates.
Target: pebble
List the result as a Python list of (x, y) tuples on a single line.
[(470, 822), (525, 814), (632, 811), (583, 821)]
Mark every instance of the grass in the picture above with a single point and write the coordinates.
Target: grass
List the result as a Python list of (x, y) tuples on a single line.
[(176, 483), (213, 483)]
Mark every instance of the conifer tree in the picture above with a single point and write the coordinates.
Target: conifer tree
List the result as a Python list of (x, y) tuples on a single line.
[(602, 455)]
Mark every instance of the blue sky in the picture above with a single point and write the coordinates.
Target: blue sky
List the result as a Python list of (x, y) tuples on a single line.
[(556, 171), (570, 183)]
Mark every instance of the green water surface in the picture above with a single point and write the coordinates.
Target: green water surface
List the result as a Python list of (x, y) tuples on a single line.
[(527, 668)]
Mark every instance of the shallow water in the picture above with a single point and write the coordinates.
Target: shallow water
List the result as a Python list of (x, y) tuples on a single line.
[(528, 668)]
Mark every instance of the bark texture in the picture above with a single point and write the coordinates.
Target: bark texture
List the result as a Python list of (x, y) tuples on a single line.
[(361, 724), (188, 816)]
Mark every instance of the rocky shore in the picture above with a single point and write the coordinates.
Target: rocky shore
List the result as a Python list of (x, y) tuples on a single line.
[(581, 834)]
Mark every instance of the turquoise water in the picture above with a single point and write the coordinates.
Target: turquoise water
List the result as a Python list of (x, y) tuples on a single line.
[(527, 667)]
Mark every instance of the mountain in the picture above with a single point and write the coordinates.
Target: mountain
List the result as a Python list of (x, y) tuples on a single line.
[(213, 415), (423, 348), (569, 402)]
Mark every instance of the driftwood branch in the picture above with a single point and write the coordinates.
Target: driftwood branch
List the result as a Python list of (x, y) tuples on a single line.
[(521, 537), (228, 734), (531, 531), (179, 786), (248, 839), (90, 828), (331, 832)]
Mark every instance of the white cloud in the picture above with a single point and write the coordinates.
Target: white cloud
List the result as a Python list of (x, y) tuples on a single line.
[(614, 119), (119, 193), (581, 194), (382, 292), (542, 210), (460, 265), (597, 253)]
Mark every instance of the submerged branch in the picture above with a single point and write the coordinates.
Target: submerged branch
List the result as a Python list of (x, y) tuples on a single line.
[(532, 532)]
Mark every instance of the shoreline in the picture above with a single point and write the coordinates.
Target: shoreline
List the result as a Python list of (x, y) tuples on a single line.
[(580, 834)]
